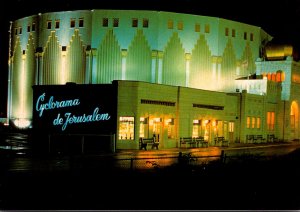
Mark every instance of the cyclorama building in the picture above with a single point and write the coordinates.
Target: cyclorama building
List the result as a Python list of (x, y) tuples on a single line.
[(172, 75)]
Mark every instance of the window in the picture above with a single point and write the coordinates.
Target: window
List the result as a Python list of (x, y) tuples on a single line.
[(72, 23), (16, 31), (57, 24), (170, 24), (115, 22), (134, 22), (20, 30), (171, 128), (143, 127), (233, 33), (126, 128), (251, 37), (196, 128), (145, 23), (245, 35), (258, 122), (253, 122), (28, 28), (105, 22), (248, 122), (81, 22), (197, 27), (226, 31), (207, 28), (49, 24), (270, 120), (33, 27), (180, 25), (231, 126)]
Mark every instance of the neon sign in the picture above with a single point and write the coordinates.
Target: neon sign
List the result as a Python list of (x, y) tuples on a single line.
[(68, 118)]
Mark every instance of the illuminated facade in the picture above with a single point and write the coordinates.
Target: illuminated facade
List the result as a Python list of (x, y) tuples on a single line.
[(207, 57)]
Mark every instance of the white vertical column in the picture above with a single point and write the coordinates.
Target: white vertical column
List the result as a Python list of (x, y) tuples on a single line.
[(214, 68), (219, 68), (154, 66), (88, 65), (160, 67), (187, 68), (124, 56), (94, 68)]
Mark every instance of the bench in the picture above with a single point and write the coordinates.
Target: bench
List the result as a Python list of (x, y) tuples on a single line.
[(249, 138), (271, 138), (259, 138), (144, 142), (188, 140), (200, 140), (221, 139)]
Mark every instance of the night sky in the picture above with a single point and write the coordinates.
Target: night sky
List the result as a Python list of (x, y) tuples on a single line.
[(281, 19)]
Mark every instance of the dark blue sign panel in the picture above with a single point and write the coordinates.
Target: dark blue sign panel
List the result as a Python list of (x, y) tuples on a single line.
[(75, 108)]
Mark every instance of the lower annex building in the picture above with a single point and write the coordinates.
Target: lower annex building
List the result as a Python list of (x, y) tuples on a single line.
[(172, 75)]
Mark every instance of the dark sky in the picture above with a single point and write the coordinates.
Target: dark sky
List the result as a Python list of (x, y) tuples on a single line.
[(281, 19)]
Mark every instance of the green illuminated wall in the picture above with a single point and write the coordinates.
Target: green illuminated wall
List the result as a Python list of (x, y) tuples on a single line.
[(193, 51)]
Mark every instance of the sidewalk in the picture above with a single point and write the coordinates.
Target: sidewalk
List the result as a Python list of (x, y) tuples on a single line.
[(175, 151)]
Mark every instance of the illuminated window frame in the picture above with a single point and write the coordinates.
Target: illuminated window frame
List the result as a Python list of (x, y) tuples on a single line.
[(197, 28), (207, 28), (180, 25), (115, 22), (72, 23), (81, 22), (105, 22), (57, 24), (227, 31), (134, 22), (170, 24), (126, 128), (248, 122), (145, 22), (49, 24)]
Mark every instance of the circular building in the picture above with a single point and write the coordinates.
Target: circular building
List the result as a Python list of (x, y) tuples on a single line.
[(99, 46)]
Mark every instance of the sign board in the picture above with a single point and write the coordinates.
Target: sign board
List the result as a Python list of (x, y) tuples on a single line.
[(75, 108)]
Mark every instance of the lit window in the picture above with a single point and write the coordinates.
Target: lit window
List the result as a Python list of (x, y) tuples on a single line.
[(251, 37), (233, 32), (143, 127), (116, 22), (248, 122), (245, 35), (258, 122), (57, 24), (33, 27), (20, 30), (226, 31), (180, 25), (170, 24), (171, 128), (231, 126), (134, 22), (196, 128), (28, 28), (253, 122), (145, 23), (197, 27), (271, 120), (207, 28), (49, 24), (105, 22), (72, 23), (81, 22), (126, 128)]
